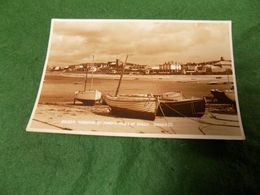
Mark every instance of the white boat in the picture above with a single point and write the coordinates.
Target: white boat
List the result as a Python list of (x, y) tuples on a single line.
[(133, 106), (88, 97), (175, 96)]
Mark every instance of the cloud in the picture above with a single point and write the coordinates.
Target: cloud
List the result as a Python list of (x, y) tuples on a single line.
[(150, 42)]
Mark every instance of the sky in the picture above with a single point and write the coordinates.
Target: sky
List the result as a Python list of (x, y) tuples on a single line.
[(149, 42)]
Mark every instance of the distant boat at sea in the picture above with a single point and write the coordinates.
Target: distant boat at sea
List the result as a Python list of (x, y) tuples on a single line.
[(176, 105), (88, 97)]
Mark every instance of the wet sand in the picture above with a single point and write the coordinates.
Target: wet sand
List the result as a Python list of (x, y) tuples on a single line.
[(60, 87), (56, 113)]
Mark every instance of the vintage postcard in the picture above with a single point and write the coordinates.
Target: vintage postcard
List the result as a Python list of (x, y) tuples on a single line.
[(139, 78)]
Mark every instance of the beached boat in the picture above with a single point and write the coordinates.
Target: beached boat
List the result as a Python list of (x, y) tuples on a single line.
[(175, 104), (132, 106), (88, 96), (224, 97), (230, 94)]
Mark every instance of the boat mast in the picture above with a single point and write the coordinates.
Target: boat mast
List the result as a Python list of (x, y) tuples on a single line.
[(121, 76), (92, 74), (86, 78)]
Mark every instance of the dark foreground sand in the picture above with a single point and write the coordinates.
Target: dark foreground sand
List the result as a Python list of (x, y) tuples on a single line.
[(97, 120)]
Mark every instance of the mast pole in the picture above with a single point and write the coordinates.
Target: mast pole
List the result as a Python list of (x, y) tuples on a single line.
[(92, 74), (121, 76), (85, 85)]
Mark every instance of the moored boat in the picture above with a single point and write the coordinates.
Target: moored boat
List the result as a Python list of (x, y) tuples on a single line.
[(230, 94), (175, 104), (225, 97), (88, 97), (133, 106)]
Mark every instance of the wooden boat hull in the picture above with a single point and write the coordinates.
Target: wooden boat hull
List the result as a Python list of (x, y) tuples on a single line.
[(230, 95), (222, 97), (182, 108), (88, 97), (132, 106)]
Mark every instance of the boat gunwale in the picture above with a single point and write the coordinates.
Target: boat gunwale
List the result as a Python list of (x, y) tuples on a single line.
[(130, 99), (181, 101)]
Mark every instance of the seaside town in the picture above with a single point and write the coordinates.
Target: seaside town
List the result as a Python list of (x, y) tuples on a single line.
[(96, 84), (197, 99), (219, 66)]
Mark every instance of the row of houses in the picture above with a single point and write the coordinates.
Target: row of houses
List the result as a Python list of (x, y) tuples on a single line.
[(111, 67), (214, 67), (221, 66)]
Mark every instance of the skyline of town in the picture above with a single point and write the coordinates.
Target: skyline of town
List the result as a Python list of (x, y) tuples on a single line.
[(220, 66), (131, 62)]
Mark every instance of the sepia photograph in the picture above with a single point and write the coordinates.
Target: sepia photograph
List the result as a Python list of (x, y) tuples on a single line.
[(139, 78)]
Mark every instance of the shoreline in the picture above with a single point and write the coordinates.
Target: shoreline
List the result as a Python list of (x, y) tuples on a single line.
[(55, 111), (177, 78), (62, 87)]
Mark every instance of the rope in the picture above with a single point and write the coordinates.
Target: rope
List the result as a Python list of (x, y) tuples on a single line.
[(165, 118), (224, 125), (63, 128), (201, 130), (179, 113), (213, 116), (200, 121)]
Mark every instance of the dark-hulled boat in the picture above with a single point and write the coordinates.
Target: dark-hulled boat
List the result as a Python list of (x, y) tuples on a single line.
[(224, 97), (174, 104)]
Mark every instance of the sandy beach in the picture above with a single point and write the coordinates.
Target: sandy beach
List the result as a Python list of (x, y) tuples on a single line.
[(60, 87), (89, 120), (56, 112)]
